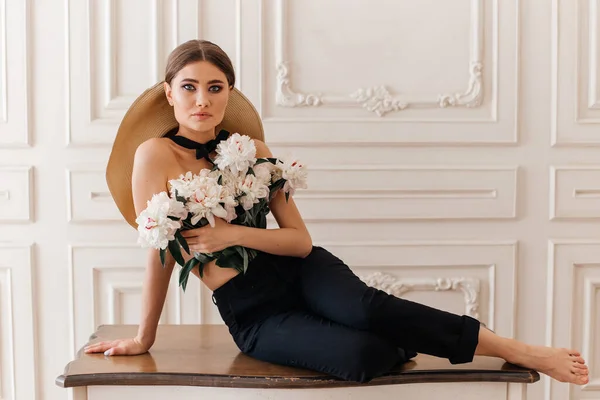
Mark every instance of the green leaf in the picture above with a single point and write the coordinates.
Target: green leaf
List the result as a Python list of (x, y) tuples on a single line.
[(185, 272), (260, 161), (245, 255), (230, 260), (163, 253), (176, 252), (252, 253), (182, 241), (238, 249), (220, 180), (250, 171), (287, 196), (203, 257), (262, 221)]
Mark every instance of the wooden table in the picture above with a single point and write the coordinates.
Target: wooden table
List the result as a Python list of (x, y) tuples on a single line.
[(188, 361)]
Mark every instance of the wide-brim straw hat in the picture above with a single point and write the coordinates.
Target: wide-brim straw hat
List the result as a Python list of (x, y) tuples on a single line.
[(151, 116)]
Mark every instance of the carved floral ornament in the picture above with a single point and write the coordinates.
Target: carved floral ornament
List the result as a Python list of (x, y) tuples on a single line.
[(398, 287), (378, 99)]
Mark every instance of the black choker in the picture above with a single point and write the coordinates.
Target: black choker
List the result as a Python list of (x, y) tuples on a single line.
[(202, 149)]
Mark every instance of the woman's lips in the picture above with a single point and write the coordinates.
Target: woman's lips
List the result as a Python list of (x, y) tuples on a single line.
[(201, 116)]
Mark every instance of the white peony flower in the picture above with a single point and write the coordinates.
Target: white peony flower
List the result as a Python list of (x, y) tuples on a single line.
[(155, 228), (237, 153), (253, 190), (263, 172), (276, 173), (183, 185), (205, 200), (295, 175), (229, 203)]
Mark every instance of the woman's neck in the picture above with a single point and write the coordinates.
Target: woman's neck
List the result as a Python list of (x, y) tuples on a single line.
[(196, 136)]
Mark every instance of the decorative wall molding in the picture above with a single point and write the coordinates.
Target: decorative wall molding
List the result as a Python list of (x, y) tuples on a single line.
[(95, 36), (7, 347), (594, 70), (574, 192), (14, 67), (378, 99), (591, 292), (399, 286), (17, 332), (89, 200), (117, 290), (113, 99), (571, 312), (16, 194), (575, 112), (448, 192)]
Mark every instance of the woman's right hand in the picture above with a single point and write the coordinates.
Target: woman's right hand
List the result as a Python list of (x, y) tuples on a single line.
[(119, 347)]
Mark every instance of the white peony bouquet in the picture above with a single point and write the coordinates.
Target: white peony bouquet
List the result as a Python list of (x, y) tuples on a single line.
[(237, 189)]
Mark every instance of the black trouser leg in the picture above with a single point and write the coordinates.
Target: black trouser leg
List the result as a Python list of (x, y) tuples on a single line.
[(333, 291)]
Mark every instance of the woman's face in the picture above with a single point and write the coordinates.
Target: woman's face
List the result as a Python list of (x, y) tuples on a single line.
[(199, 95)]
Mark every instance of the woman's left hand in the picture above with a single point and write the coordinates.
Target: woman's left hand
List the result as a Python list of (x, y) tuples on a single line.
[(210, 239)]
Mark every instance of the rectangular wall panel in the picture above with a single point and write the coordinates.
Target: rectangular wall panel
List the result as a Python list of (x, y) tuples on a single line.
[(574, 302), (391, 192), (16, 195), (576, 104), (388, 83), (14, 74), (575, 192), (17, 337), (107, 37), (90, 199)]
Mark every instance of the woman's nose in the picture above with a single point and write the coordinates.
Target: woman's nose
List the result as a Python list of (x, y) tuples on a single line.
[(202, 98)]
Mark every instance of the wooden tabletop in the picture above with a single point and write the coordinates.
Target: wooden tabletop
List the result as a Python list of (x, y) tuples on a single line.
[(205, 355)]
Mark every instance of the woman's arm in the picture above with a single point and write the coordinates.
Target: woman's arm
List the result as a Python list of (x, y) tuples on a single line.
[(149, 177), (291, 238)]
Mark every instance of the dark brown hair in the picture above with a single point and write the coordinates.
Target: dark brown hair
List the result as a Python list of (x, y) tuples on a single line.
[(199, 50)]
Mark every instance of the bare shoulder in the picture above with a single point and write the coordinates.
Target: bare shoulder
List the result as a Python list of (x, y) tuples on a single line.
[(262, 150), (154, 149), (150, 170)]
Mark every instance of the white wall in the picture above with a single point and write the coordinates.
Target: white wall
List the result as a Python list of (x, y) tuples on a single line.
[(481, 167)]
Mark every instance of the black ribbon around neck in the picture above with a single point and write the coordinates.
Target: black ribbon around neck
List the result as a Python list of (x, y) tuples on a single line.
[(202, 149)]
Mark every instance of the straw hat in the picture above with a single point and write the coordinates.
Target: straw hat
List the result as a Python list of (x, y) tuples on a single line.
[(151, 116)]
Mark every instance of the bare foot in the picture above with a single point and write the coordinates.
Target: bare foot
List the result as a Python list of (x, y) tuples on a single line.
[(564, 365)]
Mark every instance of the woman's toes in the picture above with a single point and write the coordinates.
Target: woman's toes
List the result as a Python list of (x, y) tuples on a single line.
[(582, 379), (580, 366), (578, 371), (578, 359), (574, 352)]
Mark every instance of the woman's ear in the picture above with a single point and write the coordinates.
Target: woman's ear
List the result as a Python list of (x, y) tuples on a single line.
[(168, 93)]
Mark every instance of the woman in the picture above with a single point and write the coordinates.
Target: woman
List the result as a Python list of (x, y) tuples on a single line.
[(298, 304)]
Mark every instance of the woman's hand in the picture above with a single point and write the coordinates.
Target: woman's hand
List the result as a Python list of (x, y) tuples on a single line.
[(120, 347), (210, 239)]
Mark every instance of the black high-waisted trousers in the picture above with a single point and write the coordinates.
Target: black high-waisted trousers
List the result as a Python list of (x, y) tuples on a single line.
[(315, 313)]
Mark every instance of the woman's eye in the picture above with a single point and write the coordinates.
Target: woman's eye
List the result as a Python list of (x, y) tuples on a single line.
[(215, 89), (188, 87)]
